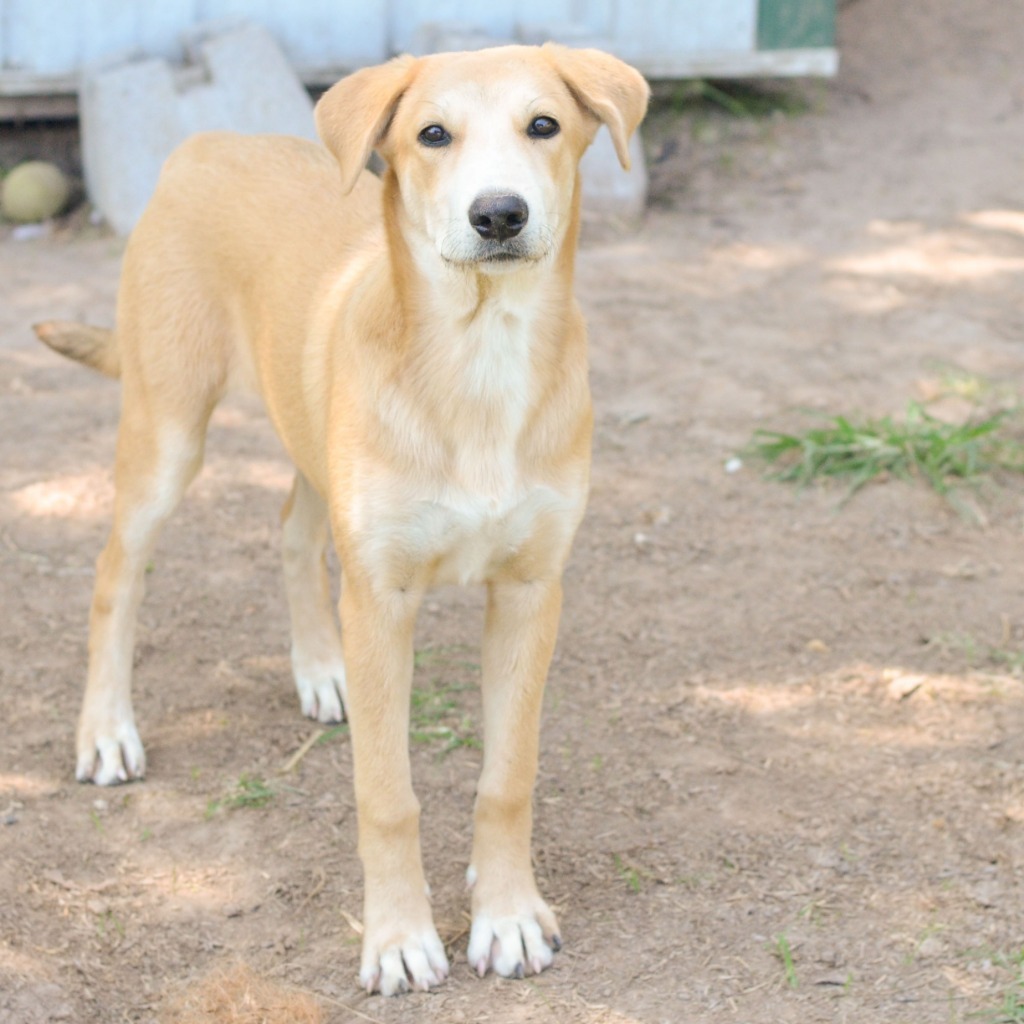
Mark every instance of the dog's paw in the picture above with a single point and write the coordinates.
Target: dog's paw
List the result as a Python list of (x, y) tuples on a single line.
[(516, 938), (110, 754), (417, 961), (321, 689)]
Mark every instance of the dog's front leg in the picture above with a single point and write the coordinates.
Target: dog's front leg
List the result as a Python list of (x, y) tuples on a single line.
[(513, 928), (400, 944)]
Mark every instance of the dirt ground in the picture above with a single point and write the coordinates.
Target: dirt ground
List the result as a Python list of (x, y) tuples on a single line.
[(782, 772)]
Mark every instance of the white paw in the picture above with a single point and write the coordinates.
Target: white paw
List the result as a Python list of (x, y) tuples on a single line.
[(321, 688), (514, 944), (110, 754), (418, 961)]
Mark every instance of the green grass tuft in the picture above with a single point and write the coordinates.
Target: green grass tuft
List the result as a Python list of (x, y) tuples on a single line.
[(333, 733), (784, 952), (1011, 1009), (978, 654), (945, 455), (251, 791), (629, 874), (738, 99), (436, 714)]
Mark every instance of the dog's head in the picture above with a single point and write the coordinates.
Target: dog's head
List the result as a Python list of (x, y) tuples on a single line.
[(484, 145)]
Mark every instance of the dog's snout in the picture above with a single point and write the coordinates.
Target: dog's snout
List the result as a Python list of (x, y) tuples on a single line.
[(499, 216)]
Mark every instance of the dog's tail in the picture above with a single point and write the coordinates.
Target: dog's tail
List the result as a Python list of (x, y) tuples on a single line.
[(95, 346)]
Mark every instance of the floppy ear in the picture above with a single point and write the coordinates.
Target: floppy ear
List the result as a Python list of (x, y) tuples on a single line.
[(353, 116), (608, 88)]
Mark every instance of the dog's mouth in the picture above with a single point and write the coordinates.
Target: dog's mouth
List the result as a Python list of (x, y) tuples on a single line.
[(504, 257), (494, 254)]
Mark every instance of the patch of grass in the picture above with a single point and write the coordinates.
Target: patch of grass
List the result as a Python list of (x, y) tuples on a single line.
[(980, 391), (693, 881), (784, 952), (747, 100), (972, 387), (944, 455), (333, 733), (251, 791), (977, 654), (1011, 1009), (435, 717), (629, 874), (435, 714), (107, 924), (449, 656)]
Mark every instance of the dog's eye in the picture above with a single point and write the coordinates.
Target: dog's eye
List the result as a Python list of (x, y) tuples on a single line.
[(434, 135), (543, 127)]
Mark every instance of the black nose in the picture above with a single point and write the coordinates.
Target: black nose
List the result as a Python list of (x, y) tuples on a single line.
[(499, 216)]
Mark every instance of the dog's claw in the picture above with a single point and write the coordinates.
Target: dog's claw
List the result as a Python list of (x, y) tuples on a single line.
[(321, 689), (111, 756), (513, 946), (416, 965)]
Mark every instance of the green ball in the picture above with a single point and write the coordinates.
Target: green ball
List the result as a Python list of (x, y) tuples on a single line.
[(34, 191)]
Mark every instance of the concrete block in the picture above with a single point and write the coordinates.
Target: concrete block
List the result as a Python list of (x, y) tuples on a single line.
[(612, 196), (135, 112)]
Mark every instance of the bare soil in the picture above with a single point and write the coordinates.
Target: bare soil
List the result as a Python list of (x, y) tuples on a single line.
[(782, 772)]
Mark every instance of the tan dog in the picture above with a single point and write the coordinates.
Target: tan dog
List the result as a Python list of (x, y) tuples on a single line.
[(419, 350)]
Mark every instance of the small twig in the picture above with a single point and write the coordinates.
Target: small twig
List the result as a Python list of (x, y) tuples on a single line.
[(354, 923), (456, 936), (351, 1009), (299, 754)]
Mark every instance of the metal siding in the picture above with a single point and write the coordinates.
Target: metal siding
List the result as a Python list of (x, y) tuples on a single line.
[(498, 19), (58, 37), (45, 43), (159, 27), (112, 28), (42, 36), (598, 15), (660, 27), (314, 34)]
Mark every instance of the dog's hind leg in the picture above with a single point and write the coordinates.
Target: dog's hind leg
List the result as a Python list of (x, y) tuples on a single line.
[(317, 661), (157, 457)]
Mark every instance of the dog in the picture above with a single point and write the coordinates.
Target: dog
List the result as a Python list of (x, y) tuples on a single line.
[(418, 348)]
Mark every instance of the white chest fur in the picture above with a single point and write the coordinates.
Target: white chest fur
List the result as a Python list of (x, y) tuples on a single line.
[(469, 503)]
